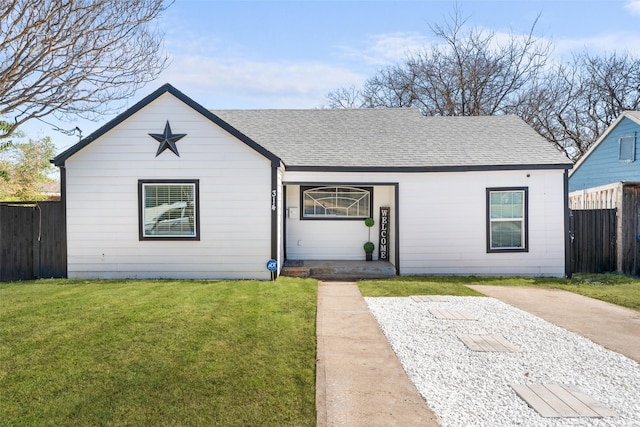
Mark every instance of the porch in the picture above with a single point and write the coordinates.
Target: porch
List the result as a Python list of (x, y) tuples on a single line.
[(338, 270)]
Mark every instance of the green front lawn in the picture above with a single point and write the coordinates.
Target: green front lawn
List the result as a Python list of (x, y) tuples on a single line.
[(157, 353), (162, 353), (613, 288)]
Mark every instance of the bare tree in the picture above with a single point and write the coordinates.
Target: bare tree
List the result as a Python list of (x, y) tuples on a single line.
[(471, 73), (576, 102), (393, 86), (346, 97), (474, 73), (75, 57), (552, 108), (613, 80), (468, 73), (4, 127)]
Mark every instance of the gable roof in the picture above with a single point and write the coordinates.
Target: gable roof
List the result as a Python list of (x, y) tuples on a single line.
[(60, 159), (394, 138), (369, 139), (631, 115)]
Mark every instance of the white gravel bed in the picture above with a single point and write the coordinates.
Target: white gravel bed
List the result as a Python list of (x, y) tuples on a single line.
[(469, 388)]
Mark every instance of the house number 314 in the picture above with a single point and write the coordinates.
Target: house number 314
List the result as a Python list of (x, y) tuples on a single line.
[(273, 200)]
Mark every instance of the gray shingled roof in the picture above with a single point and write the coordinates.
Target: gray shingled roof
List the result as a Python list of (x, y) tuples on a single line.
[(396, 137)]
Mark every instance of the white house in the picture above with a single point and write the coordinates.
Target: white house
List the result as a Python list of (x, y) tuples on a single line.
[(169, 189)]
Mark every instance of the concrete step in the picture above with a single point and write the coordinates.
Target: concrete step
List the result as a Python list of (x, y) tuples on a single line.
[(339, 269), (295, 271)]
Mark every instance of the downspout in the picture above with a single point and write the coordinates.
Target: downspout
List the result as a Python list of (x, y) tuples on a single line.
[(275, 164), (567, 228), (397, 226), (63, 206)]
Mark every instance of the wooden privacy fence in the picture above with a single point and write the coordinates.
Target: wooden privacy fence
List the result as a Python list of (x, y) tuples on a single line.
[(621, 201), (593, 243), (629, 230), (33, 241)]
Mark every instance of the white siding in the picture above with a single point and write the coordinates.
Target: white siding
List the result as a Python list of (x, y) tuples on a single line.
[(335, 239), (442, 223), (441, 216), (102, 200)]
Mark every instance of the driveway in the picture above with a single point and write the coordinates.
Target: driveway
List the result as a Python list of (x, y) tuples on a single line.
[(613, 327)]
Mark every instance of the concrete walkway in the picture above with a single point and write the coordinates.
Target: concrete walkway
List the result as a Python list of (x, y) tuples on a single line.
[(613, 327), (359, 380)]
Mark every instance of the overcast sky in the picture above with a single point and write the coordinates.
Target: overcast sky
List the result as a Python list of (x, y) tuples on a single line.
[(290, 54)]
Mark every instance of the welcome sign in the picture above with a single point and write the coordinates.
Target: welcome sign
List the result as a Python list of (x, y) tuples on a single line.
[(383, 245)]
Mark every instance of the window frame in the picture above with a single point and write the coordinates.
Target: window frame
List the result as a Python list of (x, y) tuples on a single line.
[(305, 188), (196, 209), (525, 219), (632, 159)]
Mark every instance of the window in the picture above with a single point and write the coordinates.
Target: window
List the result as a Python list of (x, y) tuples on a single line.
[(507, 219), (336, 202), (168, 209), (627, 148)]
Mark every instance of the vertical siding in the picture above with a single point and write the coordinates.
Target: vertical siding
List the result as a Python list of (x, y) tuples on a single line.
[(16, 243), (102, 200), (594, 241), (629, 231), (32, 241), (442, 222), (602, 166)]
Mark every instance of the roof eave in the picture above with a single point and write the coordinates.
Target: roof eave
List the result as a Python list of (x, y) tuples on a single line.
[(61, 158), (414, 169)]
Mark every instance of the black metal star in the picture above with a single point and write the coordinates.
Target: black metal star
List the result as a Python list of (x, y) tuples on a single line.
[(167, 140)]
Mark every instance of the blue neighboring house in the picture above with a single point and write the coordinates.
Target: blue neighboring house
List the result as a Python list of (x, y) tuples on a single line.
[(608, 177), (613, 158)]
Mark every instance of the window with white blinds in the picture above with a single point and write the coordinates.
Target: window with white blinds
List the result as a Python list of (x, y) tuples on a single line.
[(168, 209)]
